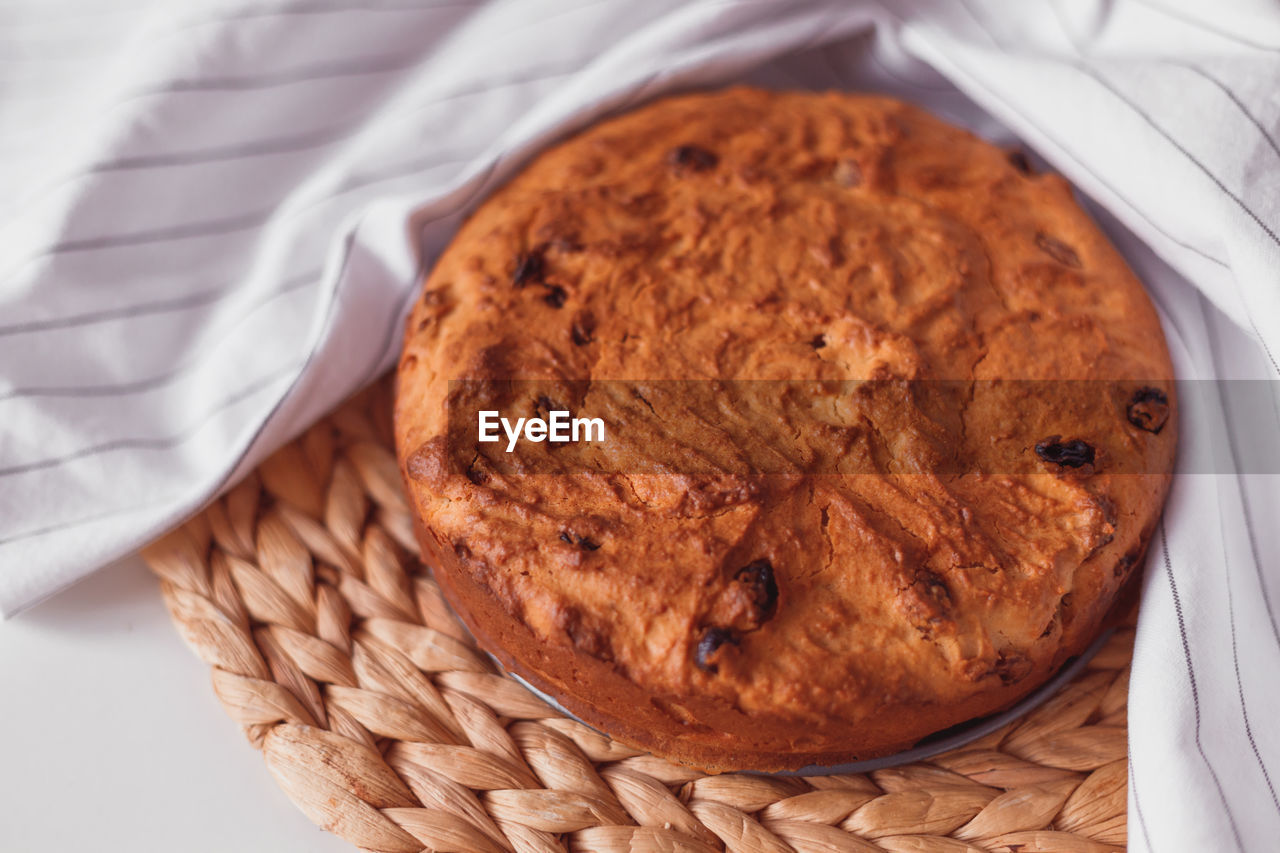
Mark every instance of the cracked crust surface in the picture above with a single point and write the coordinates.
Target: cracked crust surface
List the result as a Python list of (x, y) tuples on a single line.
[(660, 585)]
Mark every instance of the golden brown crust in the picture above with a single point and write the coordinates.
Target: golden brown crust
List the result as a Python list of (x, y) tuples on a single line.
[(746, 235)]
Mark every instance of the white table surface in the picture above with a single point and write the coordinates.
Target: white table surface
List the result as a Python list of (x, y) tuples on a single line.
[(114, 740)]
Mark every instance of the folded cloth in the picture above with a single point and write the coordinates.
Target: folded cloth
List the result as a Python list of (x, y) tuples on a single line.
[(216, 212)]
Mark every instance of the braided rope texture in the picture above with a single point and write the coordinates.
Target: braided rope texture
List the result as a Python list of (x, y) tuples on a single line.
[(332, 647)]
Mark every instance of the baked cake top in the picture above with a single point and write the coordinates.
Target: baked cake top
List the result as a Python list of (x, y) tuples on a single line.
[(726, 537)]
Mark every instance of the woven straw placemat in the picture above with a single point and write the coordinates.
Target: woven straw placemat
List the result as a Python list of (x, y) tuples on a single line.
[(333, 648)]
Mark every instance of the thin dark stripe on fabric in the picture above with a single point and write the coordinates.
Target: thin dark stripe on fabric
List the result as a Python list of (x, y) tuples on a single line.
[(135, 386), (207, 228), (1254, 551), (188, 231), (164, 443), (1235, 660), (323, 70), (1062, 24), (84, 520), (1182, 149), (1257, 562), (211, 296), (287, 144), (1206, 26), (327, 8), (240, 222), (1195, 692), (1235, 99), (328, 70), (332, 301), (1266, 598), (140, 309), (1092, 73), (348, 244), (319, 71), (270, 146), (1106, 84)]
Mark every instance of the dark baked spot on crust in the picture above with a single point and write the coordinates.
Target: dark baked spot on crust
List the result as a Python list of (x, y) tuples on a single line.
[(531, 268), (835, 250), (1018, 159), (818, 341), (1109, 519), (543, 407), (567, 244), (709, 645), (1065, 614), (585, 636), (762, 587), (475, 471), (1069, 454), (635, 392), (1108, 508), (584, 329), (934, 586), (692, 158), (927, 602), (1148, 409), (497, 361), (648, 205), (1125, 564), (555, 296), (1012, 667), (1058, 250), (586, 543)]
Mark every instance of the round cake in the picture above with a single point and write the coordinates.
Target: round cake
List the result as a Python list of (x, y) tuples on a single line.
[(886, 424)]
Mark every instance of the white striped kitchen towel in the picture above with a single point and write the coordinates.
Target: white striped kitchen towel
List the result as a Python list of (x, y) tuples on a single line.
[(214, 212)]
